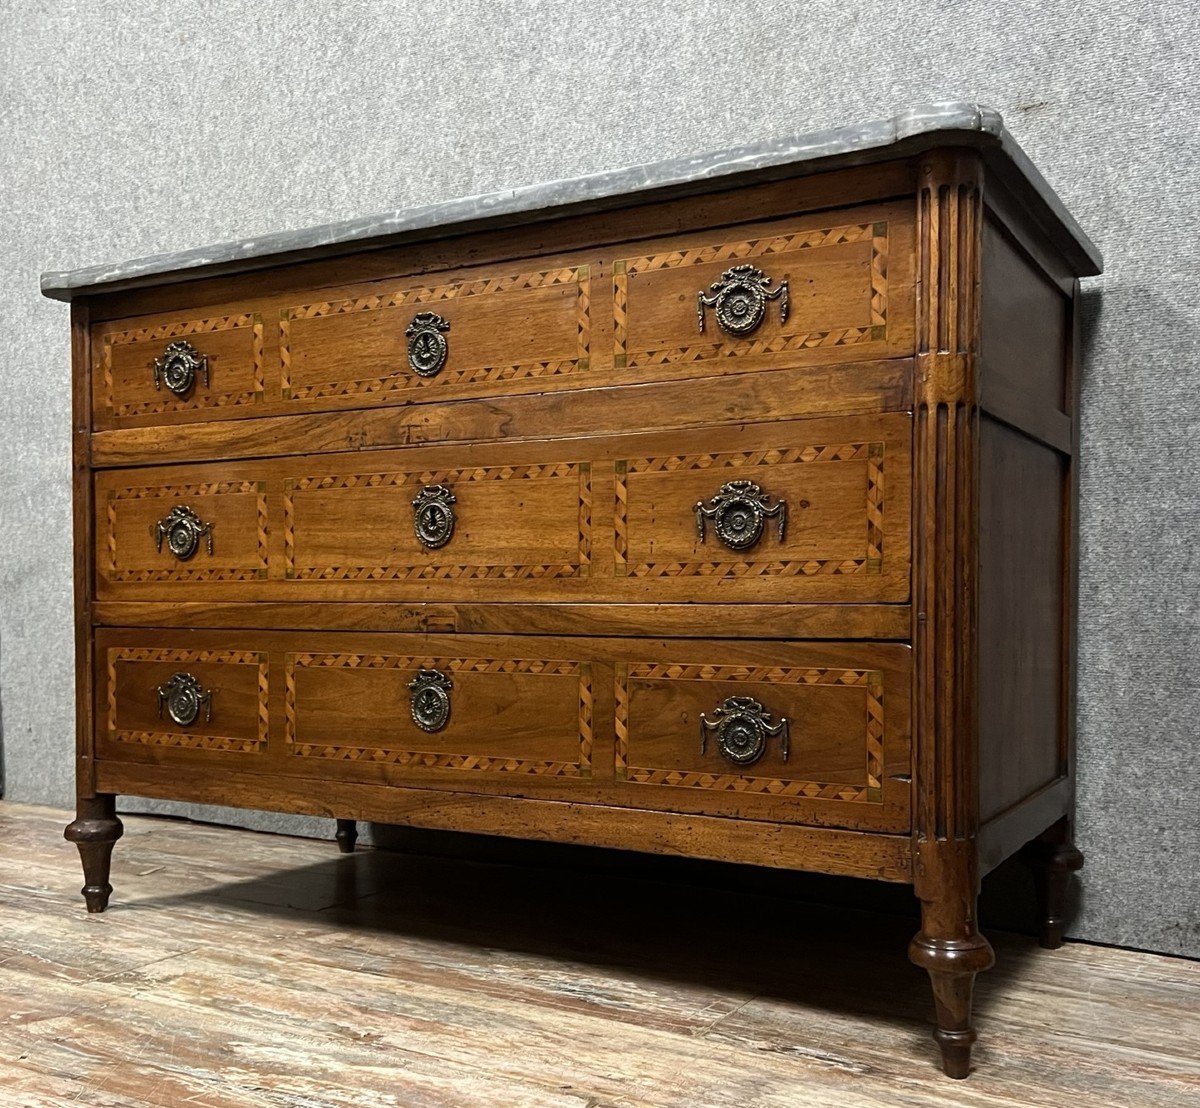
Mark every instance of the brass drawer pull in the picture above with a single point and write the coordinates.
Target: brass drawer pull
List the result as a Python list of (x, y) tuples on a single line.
[(739, 512), (183, 530), (433, 516), (183, 696), (427, 344), (742, 726), (430, 701), (178, 366), (739, 300)]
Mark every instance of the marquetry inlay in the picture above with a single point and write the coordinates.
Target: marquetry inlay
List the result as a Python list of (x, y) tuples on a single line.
[(427, 570), (454, 374), (190, 739), (157, 401), (867, 682), (870, 561), (194, 570), (582, 767), (874, 330)]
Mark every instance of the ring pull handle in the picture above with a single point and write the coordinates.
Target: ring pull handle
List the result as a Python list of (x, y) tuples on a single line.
[(430, 699), (739, 512), (433, 516), (742, 726), (739, 300), (428, 347), (177, 367), (184, 697), (183, 530)]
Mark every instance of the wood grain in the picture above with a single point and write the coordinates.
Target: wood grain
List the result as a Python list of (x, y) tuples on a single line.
[(243, 969)]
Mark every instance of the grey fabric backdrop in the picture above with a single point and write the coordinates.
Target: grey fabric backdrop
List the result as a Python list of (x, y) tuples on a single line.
[(129, 127)]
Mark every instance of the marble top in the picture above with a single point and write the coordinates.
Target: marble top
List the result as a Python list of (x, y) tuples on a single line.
[(906, 132)]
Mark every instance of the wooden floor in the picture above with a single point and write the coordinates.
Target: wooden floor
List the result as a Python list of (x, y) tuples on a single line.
[(243, 969)]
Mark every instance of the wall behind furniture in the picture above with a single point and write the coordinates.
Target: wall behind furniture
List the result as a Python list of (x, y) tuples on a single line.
[(129, 127)]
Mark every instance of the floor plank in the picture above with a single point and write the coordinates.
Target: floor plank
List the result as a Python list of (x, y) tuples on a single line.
[(243, 969)]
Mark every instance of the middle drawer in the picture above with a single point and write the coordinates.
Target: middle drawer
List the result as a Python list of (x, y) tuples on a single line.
[(814, 510)]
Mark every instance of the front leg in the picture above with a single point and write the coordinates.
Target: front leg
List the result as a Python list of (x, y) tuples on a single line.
[(951, 949), (95, 830)]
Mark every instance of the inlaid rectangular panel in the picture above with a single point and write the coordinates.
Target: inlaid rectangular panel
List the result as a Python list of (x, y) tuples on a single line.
[(204, 525), (483, 329), (841, 297), (714, 727), (507, 715), (220, 697), (228, 347), (509, 522), (780, 511)]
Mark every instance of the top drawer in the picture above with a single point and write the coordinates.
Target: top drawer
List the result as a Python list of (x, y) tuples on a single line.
[(808, 290)]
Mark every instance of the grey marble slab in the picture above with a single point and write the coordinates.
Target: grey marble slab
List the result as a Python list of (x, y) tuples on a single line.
[(908, 131)]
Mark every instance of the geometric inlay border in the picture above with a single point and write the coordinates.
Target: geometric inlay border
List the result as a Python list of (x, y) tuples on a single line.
[(580, 276), (869, 681), (188, 739), (870, 562), (183, 492), (436, 760), (436, 571), (876, 233), (177, 329)]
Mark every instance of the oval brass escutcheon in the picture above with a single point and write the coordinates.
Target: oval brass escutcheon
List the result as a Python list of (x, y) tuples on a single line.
[(742, 726), (430, 701), (427, 344), (433, 516), (177, 367), (184, 697)]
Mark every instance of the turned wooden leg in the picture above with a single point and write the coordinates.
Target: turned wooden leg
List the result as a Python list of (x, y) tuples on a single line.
[(1053, 857), (347, 835), (95, 830), (950, 948)]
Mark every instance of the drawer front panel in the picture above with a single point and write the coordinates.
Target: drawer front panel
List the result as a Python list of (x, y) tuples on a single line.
[(511, 523), (514, 715), (210, 527), (670, 725), (229, 378), (823, 508), (156, 698), (484, 330), (617, 315), (825, 515), (729, 728), (818, 288)]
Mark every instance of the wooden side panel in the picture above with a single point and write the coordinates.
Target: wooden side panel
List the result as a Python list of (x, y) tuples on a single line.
[(1025, 331), (1022, 486)]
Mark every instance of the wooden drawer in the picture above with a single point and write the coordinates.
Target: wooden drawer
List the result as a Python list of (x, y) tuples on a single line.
[(817, 732), (607, 518), (621, 314), (154, 697), (848, 294), (129, 389), (607, 720)]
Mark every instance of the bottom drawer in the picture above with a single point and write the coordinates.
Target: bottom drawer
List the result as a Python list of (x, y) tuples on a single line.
[(794, 732)]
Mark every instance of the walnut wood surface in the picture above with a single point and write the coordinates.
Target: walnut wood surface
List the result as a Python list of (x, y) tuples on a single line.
[(916, 409), (602, 519), (607, 721)]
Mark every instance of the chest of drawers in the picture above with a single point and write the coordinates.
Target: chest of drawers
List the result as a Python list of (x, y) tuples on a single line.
[(721, 508)]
